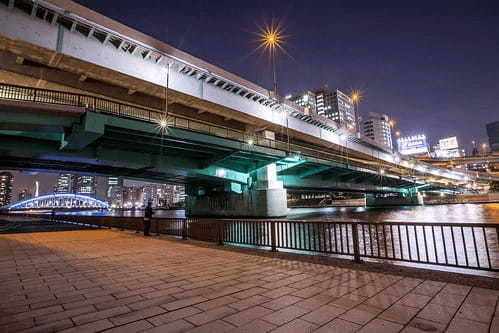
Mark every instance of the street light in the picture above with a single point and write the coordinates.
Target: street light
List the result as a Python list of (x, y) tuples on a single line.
[(271, 39), (484, 147), (356, 97)]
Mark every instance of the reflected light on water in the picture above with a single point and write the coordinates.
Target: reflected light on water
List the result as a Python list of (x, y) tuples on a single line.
[(480, 213)]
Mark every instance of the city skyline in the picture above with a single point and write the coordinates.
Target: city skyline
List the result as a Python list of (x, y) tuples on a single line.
[(441, 53), (48, 183)]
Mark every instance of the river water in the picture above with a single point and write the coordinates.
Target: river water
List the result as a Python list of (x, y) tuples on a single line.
[(459, 213)]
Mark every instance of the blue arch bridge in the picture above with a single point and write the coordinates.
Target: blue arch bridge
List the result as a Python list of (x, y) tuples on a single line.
[(60, 201)]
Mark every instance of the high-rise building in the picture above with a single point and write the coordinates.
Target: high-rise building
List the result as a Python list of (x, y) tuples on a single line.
[(493, 134), (174, 195), (6, 182), (178, 194), (36, 188), (413, 145), (114, 191), (85, 185), (336, 105), (306, 100), (332, 104), (25, 194), (132, 196), (447, 148), (377, 127), (64, 183)]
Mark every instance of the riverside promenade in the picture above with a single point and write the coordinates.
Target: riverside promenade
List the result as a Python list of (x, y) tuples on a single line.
[(115, 281)]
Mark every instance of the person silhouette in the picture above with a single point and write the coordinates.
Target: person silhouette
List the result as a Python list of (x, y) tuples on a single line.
[(148, 213)]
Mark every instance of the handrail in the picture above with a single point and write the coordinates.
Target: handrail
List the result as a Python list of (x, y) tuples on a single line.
[(461, 245)]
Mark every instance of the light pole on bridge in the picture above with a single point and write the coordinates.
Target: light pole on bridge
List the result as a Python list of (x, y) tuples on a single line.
[(271, 40)]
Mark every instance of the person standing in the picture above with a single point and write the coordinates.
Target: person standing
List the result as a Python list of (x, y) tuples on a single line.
[(148, 212)]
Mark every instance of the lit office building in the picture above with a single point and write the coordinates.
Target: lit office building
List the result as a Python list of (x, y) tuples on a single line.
[(178, 194), (493, 134), (25, 194), (305, 100), (447, 148), (150, 193), (85, 185), (64, 183), (337, 106), (413, 145), (114, 192), (332, 104), (132, 196), (6, 182), (377, 127), (174, 195)]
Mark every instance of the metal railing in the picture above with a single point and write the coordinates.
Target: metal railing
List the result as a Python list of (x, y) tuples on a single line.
[(462, 245), (107, 106)]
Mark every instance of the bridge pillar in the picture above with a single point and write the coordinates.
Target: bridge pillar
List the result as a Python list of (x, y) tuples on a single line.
[(411, 199), (263, 196)]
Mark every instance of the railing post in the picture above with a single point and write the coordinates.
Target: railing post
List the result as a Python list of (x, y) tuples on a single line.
[(273, 242), (220, 232), (184, 229), (34, 96), (355, 241)]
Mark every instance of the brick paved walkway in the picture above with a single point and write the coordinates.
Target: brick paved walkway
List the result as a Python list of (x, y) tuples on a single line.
[(90, 281)]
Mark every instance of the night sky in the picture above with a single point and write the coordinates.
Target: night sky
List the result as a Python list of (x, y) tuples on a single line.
[(431, 65)]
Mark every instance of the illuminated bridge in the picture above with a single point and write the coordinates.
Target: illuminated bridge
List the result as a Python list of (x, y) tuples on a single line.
[(82, 93), (60, 201)]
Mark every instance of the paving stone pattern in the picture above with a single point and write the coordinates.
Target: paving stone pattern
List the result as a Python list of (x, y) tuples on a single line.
[(112, 281)]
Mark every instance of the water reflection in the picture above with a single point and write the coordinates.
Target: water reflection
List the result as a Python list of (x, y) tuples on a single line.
[(480, 213)]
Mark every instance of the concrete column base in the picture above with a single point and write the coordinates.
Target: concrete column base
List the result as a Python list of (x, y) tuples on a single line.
[(412, 200), (265, 203)]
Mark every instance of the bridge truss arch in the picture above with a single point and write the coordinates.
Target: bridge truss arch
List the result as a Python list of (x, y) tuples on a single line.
[(60, 201)]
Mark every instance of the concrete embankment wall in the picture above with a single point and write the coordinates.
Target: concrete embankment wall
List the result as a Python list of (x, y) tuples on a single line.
[(335, 203), (462, 199)]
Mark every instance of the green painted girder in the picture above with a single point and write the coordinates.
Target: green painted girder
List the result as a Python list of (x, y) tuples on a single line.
[(293, 181), (90, 128), (219, 158), (225, 174), (29, 121), (121, 158), (52, 136), (338, 165), (315, 171), (246, 162), (283, 167)]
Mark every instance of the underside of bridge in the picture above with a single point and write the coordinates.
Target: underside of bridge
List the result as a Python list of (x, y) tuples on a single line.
[(233, 161), (72, 139)]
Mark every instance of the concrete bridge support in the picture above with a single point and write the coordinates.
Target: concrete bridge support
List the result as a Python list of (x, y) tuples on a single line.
[(264, 196), (412, 199)]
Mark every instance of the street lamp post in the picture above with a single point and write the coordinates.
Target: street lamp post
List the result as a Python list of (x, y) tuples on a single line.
[(484, 148), (271, 40), (356, 96)]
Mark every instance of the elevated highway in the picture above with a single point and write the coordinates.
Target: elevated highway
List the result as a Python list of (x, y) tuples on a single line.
[(84, 93)]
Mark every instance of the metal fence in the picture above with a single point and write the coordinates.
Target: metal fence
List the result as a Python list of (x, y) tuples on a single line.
[(463, 245)]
